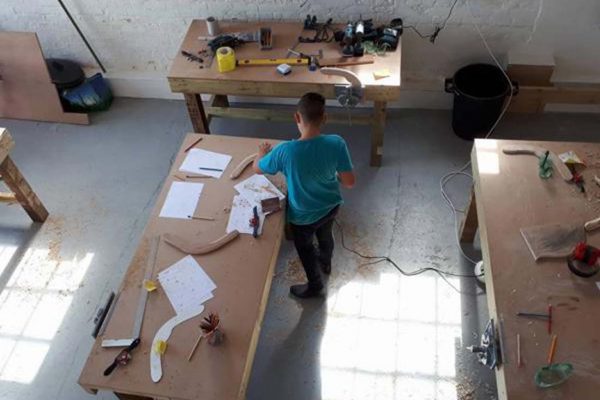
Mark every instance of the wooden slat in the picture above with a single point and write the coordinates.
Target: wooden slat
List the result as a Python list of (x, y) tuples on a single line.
[(23, 192), (283, 115), (534, 98), (7, 197), (6, 143), (468, 227)]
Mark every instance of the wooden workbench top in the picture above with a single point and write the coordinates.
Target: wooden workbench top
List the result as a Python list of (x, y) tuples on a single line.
[(285, 35), (510, 195), (242, 271)]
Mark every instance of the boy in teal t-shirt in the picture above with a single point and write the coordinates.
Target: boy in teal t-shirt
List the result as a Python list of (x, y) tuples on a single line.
[(314, 166)]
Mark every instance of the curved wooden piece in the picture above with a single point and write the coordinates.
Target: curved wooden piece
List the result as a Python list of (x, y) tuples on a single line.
[(197, 249), (242, 166), (163, 333), (515, 149), (350, 76), (592, 225)]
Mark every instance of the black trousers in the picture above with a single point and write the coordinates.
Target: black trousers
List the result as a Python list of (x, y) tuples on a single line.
[(303, 240)]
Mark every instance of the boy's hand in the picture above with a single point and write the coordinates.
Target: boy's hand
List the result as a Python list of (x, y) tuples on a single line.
[(263, 149)]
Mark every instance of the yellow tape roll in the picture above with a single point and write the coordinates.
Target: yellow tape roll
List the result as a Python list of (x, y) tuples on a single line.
[(225, 59)]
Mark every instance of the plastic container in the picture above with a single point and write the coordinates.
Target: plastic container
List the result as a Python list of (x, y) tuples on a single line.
[(480, 91)]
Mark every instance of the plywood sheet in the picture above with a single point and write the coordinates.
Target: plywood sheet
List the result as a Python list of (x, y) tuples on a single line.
[(242, 271), (515, 282), (26, 90)]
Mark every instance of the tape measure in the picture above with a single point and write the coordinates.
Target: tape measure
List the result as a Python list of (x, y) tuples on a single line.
[(272, 61)]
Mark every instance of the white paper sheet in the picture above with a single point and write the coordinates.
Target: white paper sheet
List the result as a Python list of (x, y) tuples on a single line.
[(197, 159), (181, 200), (241, 214), (186, 285), (257, 188)]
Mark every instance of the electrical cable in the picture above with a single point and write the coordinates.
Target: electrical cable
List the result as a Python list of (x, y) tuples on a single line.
[(451, 175), (438, 28), (380, 259)]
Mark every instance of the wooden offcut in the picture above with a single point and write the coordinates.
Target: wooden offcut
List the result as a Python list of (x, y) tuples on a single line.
[(242, 271), (26, 89)]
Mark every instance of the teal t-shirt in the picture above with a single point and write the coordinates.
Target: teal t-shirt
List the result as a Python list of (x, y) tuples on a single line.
[(310, 168)]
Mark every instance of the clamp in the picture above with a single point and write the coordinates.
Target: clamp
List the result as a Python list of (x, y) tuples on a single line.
[(349, 95)]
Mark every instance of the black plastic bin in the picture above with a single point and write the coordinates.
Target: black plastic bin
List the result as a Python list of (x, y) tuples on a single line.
[(480, 91)]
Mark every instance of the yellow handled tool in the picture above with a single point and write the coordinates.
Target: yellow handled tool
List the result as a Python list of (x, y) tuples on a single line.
[(272, 61)]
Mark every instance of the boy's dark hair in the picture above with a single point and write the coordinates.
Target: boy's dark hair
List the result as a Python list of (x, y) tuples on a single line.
[(312, 107)]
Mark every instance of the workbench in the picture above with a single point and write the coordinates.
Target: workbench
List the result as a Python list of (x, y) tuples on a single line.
[(509, 195), (242, 271), (264, 81), (21, 192)]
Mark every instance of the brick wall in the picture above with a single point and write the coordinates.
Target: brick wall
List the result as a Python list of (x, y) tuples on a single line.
[(136, 39)]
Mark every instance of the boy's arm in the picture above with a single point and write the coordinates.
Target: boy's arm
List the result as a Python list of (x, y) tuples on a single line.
[(347, 179), (263, 149), (344, 168)]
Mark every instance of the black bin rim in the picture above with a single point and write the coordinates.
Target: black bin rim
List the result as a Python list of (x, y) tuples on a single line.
[(468, 82)]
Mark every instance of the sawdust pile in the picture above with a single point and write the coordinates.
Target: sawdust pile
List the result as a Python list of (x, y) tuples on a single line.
[(54, 226), (294, 272)]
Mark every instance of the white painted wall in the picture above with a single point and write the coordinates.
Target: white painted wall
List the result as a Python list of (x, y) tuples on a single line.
[(136, 39)]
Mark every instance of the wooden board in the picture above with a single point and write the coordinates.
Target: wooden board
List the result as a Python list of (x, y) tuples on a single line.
[(533, 99), (515, 282), (26, 90), (242, 271), (185, 76)]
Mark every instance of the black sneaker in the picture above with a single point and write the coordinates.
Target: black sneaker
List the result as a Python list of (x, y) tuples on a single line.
[(304, 291)]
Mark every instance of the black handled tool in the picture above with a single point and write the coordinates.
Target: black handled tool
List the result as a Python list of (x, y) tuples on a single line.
[(255, 222), (122, 358)]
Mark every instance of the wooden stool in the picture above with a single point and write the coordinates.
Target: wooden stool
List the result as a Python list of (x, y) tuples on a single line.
[(21, 191)]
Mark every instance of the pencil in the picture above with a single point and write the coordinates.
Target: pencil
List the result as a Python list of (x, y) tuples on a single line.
[(519, 351), (211, 169), (192, 145), (549, 319), (552, 350), (195, 346), (197, 176), (204, 218)]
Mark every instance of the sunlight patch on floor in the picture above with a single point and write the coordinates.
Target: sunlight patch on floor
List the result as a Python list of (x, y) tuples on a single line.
[(394, 338), (32, 308)]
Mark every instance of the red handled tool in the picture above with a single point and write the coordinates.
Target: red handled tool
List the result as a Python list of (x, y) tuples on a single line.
[(122, 358)]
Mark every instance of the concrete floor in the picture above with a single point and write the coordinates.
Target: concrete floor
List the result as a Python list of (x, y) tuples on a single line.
[(378, 335)]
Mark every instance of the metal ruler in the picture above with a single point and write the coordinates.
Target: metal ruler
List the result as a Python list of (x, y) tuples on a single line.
[(273, 61), (139, 313)]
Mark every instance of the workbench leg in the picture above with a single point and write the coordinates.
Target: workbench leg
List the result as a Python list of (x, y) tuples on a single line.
[(217, 100), (196, 111), (379, 108), (23, 192), (469, 225)]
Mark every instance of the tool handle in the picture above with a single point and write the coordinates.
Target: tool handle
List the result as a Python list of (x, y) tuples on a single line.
[(592, 225), (111, 368)]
